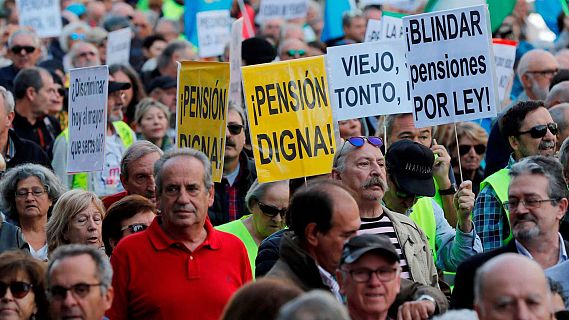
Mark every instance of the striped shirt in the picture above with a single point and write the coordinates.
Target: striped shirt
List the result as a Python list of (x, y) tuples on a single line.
[(382, 225)]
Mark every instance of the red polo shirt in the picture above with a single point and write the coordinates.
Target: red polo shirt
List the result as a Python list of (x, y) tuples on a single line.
[(156, 277)]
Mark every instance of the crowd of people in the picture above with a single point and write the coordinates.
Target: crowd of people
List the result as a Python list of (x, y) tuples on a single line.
[(459, 221)]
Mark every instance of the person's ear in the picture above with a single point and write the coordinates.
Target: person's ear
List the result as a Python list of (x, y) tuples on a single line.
[(311, 234)]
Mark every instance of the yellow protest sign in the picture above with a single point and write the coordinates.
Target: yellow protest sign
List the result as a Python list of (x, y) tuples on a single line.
[(290, 118), (202, 109)]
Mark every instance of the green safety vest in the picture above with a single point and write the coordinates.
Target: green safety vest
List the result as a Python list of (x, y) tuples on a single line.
[(79, 180), (500, 181)]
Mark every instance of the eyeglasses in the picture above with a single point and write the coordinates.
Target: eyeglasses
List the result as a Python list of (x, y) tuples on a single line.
[(528, 204), (35, 191), (271, 211), (134, 228), (543, 73), (293, 53), (18, 49), (86, 54), (234, 128), (541, 130), (80, 290), (465, 148), (363, 275), (77, 36), (18, 289)]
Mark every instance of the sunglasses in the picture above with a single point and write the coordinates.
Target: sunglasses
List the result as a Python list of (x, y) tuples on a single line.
[(465, 148), (18, 49), (271, 211), (293, 53), (234, 128), (541, 130), (360, 141), (18, 289), (61, 92), (80, 290), (134, 228)]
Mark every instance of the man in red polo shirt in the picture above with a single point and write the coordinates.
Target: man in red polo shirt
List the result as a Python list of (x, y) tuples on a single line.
[(180, 267)]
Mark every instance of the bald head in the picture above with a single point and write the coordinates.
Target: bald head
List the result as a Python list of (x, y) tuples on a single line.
[(558, 94), (535, 70), (562, 57), (511, 286)]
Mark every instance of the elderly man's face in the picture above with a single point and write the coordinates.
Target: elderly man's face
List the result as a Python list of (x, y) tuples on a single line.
[(404, 128), (140, 178), (234, 138), (23, 52), (375, 295), (539, 75), (184, 198), (88, 304), (5, 117), (364, 172), (87, 56), (526, 145), (536, 219), (46, 96)]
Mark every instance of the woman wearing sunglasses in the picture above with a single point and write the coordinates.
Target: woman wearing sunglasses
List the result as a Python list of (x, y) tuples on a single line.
[(472, 140), (267, 203), (22, 287)]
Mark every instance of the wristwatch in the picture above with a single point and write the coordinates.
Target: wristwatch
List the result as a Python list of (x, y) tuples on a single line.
[(449, 191)]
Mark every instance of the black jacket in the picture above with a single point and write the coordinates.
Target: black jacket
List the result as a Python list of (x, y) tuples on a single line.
[(463, 293), (26, 152), (268, 253), (43, 132), (219, 211)]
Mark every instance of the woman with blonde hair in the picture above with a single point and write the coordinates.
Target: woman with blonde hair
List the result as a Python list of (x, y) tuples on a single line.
[(76, 218), (152, 119), (472, 141)]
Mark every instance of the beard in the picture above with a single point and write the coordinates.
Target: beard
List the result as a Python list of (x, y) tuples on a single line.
[(540, 93), (526, 234)]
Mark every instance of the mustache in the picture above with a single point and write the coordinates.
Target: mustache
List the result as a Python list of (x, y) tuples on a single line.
[(229, 143), (526, 217), (375, 181), (185, 207), (546, 144)]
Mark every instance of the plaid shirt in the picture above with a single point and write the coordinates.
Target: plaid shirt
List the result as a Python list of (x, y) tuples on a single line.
[(489, 217), (233, 201)]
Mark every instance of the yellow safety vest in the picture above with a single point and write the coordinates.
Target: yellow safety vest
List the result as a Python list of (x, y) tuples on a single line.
[(424, 216), (79, 180), (500, 181)]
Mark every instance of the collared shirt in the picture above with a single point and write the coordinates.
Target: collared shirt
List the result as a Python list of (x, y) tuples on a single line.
[(232, 193), (489, 215), (331, 282), (43, 131), (562, 252), (10, 150)]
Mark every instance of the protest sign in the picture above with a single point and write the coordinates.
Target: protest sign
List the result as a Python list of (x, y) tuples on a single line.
[(504, 55), (290, 118), (373, 30), (451, 66), (391, 28), (289, 9), (118, 46), (368, 79), (44, 16), (87, 119), (235, 61), (202, 108), (213, 32)]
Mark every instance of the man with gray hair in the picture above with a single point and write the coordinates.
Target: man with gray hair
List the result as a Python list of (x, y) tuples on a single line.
[(24, 51), (137, 172), (14, 149), (512, 286), (537, 201), (560, 115), (180, 266), (84, 54), (79, 283), (313, 305), (176, 50)]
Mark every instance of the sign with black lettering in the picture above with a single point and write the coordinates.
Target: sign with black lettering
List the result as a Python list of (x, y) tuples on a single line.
[(286, 9), (368, 79), (118, 47), (451, 66), (88, 89), (290, 118), (504, 55), (202, 108), (392, 28), (44, 16), (373, 30)]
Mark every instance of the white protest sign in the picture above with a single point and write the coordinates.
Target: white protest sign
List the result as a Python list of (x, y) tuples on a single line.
[(451, 66), (373, 30), (44, 16), (87, 119), (118, 46), (235, 61), (504, 55), (392, 28), (213, 32), (406, 5), (368, 79), (286, 9)]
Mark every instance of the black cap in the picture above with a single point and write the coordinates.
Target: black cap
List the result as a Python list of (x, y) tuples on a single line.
[(116, 86), (364, 243), (410, 166), (162, 82), (257, 50)]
